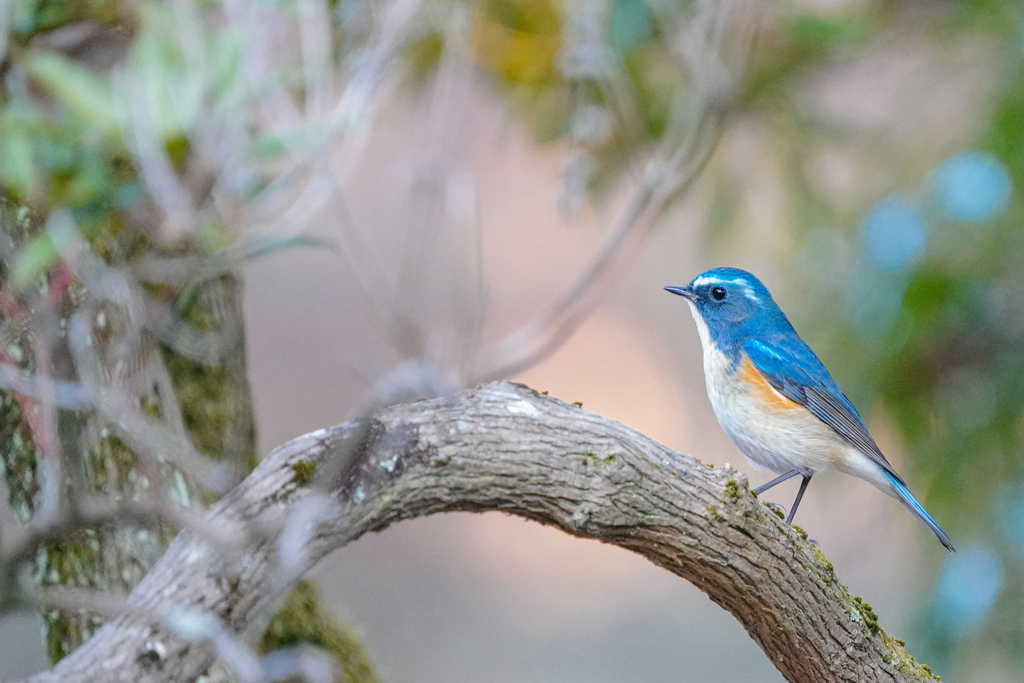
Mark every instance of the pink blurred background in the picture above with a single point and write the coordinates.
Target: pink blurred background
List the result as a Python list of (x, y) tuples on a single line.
[(490, 597)]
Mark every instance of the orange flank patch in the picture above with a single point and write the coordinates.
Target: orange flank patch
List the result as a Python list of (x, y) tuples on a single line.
[(769, 396)]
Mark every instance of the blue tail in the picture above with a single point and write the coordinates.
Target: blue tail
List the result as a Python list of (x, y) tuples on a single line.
[(918, 511)]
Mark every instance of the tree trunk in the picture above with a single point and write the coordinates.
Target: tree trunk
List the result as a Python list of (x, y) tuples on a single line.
[(210, 400)]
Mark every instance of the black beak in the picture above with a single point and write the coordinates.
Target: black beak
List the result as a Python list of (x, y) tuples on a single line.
[(683, 291)]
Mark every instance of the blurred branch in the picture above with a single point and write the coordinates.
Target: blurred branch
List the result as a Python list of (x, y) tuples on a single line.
[(17, 545), (540, 337), (502, 447), (69, 599), (681, 156)]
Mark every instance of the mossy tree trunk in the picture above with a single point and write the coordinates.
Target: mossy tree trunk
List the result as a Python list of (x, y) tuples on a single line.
[(62, 150), (213, 403)]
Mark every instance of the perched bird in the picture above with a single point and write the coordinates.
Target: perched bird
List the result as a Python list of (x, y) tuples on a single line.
[(775, 399)]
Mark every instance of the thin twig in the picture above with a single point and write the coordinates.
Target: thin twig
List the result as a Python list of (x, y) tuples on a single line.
[(670, 174)]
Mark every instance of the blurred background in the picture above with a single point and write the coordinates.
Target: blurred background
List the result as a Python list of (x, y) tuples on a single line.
[(502, 188)]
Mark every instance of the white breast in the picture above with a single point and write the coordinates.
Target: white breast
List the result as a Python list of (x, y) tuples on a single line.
[(772, 439)]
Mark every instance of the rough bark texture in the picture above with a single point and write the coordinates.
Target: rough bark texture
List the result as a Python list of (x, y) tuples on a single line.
[(215, 407), (211, 399), (504, 447), (57, 155)]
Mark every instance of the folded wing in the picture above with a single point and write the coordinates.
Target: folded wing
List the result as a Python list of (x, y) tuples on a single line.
[(795, 372)]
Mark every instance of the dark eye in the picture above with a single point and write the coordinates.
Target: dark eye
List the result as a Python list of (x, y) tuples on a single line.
[(718, 293)]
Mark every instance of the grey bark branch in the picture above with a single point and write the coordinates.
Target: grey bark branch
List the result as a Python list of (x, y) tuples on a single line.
[(504, 447)]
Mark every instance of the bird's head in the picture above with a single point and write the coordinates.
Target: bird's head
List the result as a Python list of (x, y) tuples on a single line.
[(732, 303)]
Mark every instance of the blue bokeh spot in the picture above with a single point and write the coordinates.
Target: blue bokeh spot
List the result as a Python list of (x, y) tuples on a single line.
[(1015, 525), (968, 587), (631, 26), (973, 187), (1008, 515), (894, 234), (872, 301)]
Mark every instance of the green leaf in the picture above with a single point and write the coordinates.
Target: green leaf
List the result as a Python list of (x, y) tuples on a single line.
[(815, 33), (36, 258), (268, 147), (17, 163), (82, 92), (266, 246), (158, 63)]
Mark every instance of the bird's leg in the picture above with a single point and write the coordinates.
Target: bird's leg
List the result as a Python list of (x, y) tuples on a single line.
[(777, 480), (796, 501)]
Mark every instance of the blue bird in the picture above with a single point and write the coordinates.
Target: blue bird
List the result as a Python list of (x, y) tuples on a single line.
[(775, 399)]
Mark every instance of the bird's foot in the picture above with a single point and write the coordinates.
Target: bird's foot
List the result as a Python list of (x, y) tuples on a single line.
[(777, 509)]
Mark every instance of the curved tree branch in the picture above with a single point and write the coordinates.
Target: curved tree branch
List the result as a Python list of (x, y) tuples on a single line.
[(500, 447)]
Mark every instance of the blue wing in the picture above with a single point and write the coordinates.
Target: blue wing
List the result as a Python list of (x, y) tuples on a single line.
[(795, 372)]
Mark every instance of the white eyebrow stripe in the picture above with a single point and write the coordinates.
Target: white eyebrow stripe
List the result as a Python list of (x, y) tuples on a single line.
[(707, 280), (711, 279)]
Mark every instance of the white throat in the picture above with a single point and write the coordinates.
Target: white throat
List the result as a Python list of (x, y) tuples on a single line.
[(702, 328)]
